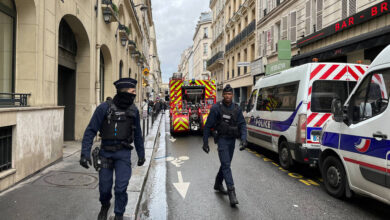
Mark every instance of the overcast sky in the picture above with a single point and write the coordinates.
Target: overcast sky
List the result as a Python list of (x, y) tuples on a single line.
[(175, 22)]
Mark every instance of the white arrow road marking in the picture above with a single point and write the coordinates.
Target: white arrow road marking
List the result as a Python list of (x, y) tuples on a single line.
[(172, 139), (182, 187)]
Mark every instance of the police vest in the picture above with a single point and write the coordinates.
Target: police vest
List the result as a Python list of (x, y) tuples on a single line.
[(227, 123), (119, 124)]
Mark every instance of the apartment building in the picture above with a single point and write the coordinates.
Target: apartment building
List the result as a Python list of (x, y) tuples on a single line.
[(184, 66), (58, 61), (201, 46), (216, 63), (240, 46), (329, 30)]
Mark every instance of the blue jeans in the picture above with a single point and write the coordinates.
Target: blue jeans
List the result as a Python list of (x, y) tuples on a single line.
[(122, 167), (225, 152)]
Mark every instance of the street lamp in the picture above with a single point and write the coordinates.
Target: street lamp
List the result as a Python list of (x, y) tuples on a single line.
[(123, 40), (107, 15)]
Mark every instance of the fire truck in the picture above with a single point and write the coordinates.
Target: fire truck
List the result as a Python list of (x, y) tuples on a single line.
[(190, 103)]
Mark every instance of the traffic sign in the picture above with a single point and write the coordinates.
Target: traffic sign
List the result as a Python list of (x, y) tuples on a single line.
[(145, 72)]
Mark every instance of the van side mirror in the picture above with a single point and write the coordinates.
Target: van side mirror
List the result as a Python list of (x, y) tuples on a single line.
[(337, 110)]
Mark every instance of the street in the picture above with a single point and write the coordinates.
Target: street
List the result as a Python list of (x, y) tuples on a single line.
[(264, 190)]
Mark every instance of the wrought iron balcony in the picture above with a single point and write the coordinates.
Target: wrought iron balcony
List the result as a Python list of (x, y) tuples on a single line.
[(13, 100), (216, 57), (241, 36)]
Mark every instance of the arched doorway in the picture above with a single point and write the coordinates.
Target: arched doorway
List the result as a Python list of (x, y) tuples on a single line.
[(106, 78), (67, 51), (7, 46)]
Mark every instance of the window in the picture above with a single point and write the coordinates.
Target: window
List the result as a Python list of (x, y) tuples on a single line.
[(205, 49), (372, 96), (324, 91), (7, 46), (120, 69), (285, 97), (252, 100), (206, 32), (204, 65), (265, 99), (5, 148)]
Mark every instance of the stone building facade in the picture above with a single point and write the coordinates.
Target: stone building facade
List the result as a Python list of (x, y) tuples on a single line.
[(63, 57), (201, 46)]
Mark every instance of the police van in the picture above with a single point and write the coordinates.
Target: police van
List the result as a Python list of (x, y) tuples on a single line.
[(285, 108), (355, 143)]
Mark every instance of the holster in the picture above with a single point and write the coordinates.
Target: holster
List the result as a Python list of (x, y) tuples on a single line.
[(97, 163)]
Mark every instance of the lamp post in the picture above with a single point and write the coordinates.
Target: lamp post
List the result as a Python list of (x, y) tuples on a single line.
[(107, 15)]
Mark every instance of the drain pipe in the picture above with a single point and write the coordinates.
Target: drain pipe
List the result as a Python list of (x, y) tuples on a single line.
[(97, 66)]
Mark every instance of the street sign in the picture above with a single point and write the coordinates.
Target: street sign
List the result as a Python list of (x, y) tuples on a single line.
[(284, 50), (277, 67), (243, 64), (145, 72)]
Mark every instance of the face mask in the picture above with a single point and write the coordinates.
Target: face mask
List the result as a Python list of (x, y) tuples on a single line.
[(124, 99)]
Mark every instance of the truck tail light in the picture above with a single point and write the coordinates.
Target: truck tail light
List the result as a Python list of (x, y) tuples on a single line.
[(301, 129)]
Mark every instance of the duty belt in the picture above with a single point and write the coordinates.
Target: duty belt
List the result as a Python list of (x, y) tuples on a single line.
[(113, 147)]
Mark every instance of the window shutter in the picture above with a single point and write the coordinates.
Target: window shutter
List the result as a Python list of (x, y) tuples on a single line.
[(344, 9), (293, 26), (352, 7), (308, 18), (272, 39), (319, 14), (260, 45), (284, 28), (264, 43)]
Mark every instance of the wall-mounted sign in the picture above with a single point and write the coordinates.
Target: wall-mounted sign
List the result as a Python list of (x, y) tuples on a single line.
[(356, 19), (284, 50), (277, 67), (243, 64)]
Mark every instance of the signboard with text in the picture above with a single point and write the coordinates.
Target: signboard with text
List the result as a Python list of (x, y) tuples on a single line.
[(356, 19), (277, 67), (284, 50)]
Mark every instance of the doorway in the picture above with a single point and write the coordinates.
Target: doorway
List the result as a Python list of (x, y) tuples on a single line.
[(67, 98)]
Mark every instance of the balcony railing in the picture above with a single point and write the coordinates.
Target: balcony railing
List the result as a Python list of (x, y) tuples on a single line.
[(241, 36), (13, 100), (216, 57)]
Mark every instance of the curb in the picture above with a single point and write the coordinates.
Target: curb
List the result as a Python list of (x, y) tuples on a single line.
[(140, 174)]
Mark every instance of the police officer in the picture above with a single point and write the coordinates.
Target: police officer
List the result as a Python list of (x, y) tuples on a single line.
[(118, 122), (227, 119)]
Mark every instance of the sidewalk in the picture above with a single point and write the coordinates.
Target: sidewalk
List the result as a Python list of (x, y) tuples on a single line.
[(66, 190)]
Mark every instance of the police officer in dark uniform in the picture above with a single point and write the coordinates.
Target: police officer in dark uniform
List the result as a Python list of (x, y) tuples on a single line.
[(228, 121), (118, 122)]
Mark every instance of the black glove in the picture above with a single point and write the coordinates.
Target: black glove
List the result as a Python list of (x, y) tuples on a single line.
[(206, 148), (141, 161), (244, 144), (84, 162)]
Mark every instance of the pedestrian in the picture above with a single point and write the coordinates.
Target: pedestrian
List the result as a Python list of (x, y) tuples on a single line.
[(118, 122), (227, 119)]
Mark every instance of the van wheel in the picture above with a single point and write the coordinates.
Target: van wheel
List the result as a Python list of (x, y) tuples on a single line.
[(334, 176), (285, 158)]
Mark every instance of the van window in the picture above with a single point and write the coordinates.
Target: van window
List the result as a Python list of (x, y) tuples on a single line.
[(251, 102), (266, 100), (372, 96), (286, 97), (324, 91)]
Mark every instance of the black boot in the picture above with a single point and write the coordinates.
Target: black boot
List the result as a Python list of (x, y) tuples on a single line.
[(232, 196), (219, 187), (118, 217), (103, 212)]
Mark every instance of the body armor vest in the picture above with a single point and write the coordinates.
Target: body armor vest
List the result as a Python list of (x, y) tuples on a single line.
[(119, 124), (227, 123)]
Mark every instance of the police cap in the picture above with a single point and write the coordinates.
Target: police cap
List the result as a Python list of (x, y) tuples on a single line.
[(125, 83), (227, 88)]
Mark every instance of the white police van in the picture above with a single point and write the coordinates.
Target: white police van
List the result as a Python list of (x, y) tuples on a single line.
[(286, 107), (355, 144)]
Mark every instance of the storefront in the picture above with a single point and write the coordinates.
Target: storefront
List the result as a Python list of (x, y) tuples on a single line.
[(359, 37)]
